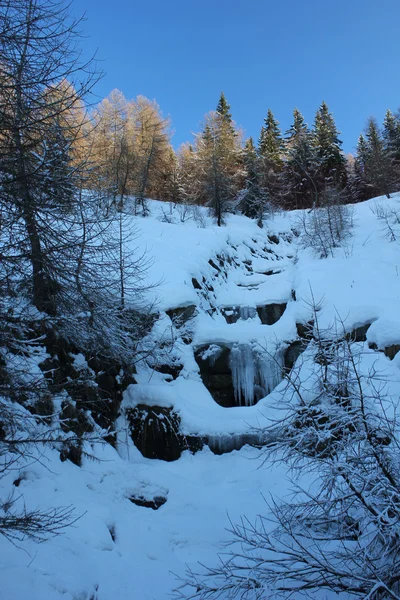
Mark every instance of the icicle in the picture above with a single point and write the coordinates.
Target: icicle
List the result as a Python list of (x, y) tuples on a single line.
[(243, 374), (254, 374), (269, 371), (247, 312)]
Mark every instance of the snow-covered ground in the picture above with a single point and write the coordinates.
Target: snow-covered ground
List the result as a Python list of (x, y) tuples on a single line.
[(119, 551)]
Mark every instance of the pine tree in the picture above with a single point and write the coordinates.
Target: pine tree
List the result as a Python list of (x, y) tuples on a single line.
[(331, 161), (357, 189), (173, 190), (375, 161), (223, 109), (270, 143), (299, 171), (270, 151), (254, 199), (188, 167), (391, 137)]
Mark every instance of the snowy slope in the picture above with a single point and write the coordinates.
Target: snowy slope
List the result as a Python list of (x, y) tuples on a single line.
[(119, 551)]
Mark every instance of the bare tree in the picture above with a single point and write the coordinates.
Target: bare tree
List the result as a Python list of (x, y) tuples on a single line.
[(66, 269), (327, 227), (340, 534)]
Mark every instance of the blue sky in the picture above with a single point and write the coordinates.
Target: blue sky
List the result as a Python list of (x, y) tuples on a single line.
[(263, 54)]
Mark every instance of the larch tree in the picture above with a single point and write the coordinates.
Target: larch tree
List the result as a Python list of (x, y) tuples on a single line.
[(153, 150), (38, 54), (218, 157), (113, 149)]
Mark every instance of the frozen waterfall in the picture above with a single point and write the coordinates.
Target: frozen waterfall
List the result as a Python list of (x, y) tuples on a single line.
[(254, 373)]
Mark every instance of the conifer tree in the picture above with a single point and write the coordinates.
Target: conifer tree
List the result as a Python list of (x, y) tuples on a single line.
[(331, 161), (254, 199), (391, 137), (173, 190), (218, 158), (270, 143), (375, 161), (35, 142), (223, 109), (188, 167), (300, 165), (270, 151), (357, 189)]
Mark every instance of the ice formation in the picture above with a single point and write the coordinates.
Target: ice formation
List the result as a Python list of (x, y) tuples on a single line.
[(254, 373), (247, 312)]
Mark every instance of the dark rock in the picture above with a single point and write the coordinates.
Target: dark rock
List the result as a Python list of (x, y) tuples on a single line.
[(196, 284), (155, 432), (219, 381), (173, 370), (194, 443), (44, 407), (305, 330), (103, 403), (273, 239), (359, 334), (271, 272), (107, 384), (4, 375), (231, 314), (293, 352), (224, 397), (391, 351), (213, 357), (58, 371), (111, 529), (72, 452), (181, 315), (271, 313), (215, 372), (153, 503), (74, 419), (214, 266)]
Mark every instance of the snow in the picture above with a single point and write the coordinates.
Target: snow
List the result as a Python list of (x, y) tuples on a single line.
[(150, 546), (359, 284)]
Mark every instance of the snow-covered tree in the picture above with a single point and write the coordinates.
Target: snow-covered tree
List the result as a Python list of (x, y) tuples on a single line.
[(253, 198), (331, 163), (218, 158), (299, 170), (270, 151), (340, 534), (375, 161)]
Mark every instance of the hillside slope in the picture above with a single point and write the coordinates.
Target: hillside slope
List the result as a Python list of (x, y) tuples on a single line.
[(231, 310)]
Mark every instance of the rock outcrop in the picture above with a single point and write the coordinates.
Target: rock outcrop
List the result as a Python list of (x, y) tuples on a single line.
[(271, 313)]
